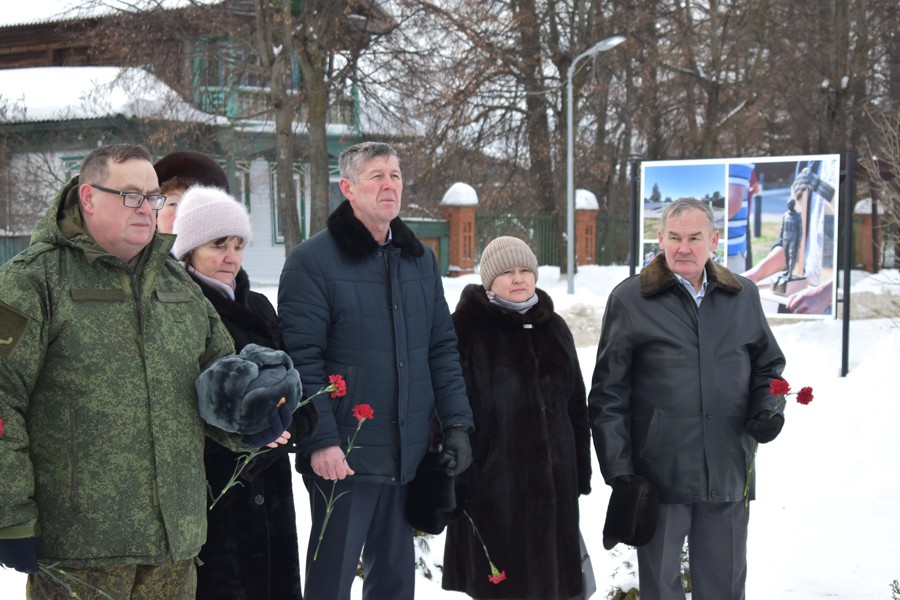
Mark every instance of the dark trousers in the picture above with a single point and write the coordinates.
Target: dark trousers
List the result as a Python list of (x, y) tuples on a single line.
[(369, 519), (717, 547)]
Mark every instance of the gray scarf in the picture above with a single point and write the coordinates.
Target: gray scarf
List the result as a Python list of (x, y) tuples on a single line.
[(519, 307), (223, 288)]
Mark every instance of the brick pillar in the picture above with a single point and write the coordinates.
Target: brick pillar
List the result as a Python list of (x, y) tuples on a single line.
[(458, 206), (462, 238), (586, 236)]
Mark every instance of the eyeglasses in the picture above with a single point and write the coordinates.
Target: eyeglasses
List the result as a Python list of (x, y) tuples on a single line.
[(134, 199)]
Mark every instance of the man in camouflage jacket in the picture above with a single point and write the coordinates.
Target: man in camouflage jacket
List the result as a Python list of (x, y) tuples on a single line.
[(102, 336)]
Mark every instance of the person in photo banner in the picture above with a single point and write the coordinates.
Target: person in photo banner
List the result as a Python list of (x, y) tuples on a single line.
[(813, 199)]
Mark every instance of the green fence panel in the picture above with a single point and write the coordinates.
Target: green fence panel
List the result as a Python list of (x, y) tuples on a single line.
[(539, 230), (613, 236), (10, 246)]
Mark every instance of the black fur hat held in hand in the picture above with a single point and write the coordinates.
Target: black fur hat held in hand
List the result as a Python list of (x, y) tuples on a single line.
[(632, 513), (431, 500), (238, 393)]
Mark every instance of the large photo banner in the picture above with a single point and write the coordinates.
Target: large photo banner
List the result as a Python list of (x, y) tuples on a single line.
[(776, 217)]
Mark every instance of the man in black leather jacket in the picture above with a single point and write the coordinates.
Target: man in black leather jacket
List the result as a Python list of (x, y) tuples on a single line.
[(680, 395)]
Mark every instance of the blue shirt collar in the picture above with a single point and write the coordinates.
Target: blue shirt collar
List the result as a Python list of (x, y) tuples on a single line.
[(390, 238), (697, 296)]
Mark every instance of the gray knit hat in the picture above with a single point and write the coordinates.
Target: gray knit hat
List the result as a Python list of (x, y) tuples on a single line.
[(503, 254), (206, 214)]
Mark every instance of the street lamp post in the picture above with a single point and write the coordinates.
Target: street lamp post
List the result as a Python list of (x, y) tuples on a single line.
[(601, 46)]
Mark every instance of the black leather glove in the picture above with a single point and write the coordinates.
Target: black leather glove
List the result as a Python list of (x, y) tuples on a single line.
[(20, 554), (279, 421), (456, 451), (764, 428)]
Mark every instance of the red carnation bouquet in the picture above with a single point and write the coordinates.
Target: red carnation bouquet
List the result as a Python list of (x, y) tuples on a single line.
[(781, 389)]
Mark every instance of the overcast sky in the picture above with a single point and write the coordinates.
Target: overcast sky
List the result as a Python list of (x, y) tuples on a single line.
[(34, 10)]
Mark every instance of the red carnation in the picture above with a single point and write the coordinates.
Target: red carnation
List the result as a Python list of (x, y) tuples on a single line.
[(779, 387), (805, 395), (1, 427), (363, 412), (495, 579), (337, 385)]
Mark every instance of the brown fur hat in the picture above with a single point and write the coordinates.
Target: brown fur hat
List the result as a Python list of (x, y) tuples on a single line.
[(191, 166)]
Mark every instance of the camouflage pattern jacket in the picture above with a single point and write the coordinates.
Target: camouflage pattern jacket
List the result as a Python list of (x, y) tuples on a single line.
[(102, 447)]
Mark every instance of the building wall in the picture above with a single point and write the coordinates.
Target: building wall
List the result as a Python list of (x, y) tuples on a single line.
[(264, 258)]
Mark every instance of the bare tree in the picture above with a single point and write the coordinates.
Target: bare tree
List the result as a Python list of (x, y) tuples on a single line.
[(325, 37), (881, 162), (474, 90), (301, 53), (490, 77)]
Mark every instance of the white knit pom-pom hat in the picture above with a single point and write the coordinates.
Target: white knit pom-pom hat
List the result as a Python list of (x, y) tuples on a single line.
[(206, 214)]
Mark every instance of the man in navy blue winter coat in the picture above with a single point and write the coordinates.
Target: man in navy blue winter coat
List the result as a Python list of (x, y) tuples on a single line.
[(364, 299)]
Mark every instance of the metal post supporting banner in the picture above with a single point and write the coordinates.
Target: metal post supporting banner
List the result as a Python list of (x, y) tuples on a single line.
[(636, 226), (849, 194)]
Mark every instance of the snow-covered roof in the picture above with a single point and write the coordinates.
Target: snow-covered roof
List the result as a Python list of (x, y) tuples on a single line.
[(864, 207), (67, 93), (585, 200), (40, 11), (49, 11), (460, 194)]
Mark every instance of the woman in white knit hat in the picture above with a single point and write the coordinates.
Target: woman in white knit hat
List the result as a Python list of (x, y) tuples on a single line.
[(531, 446), (251, 549)]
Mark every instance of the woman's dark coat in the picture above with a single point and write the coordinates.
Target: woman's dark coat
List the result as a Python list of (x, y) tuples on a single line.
[(531, 452), (251, 545)]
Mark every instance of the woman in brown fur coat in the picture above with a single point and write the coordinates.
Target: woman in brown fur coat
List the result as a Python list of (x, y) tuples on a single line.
[(531, 443)]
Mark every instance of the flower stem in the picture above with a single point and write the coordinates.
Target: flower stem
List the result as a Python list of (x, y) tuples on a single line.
[(329, 506), (241, 462), (329, 502), (750, 472), (245, 459), (779, 403), (495, 572)]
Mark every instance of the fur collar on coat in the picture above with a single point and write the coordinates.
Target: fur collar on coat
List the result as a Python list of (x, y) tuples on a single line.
[(658, 277), (474, 304), (356, 242), (249, 318)]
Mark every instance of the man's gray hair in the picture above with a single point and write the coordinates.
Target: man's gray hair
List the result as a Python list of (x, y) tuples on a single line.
[(683, 205), (353, 158)]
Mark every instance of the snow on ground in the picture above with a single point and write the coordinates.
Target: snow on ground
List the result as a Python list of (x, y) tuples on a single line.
[(825, 524)]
